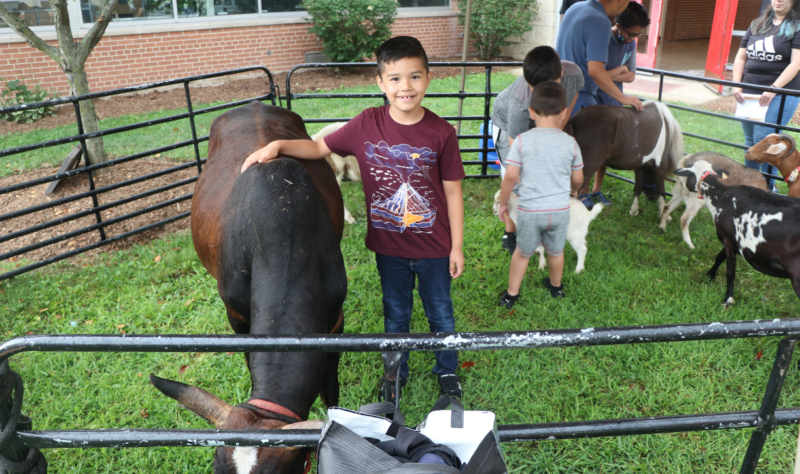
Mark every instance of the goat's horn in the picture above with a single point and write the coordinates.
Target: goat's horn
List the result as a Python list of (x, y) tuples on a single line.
[(790, 139), (206, 405)]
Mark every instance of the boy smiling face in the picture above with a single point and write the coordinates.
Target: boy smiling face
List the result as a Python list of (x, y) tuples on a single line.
[(404, 82)]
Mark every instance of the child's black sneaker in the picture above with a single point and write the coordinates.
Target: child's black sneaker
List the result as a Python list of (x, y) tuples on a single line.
[(510, 242), (386, 393), (450, 384), (508, 301), (555, 291)]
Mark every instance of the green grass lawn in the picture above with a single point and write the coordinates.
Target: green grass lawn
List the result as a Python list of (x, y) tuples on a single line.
[(638, 276)]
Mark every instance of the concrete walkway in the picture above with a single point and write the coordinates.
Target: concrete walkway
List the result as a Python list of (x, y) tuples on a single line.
[(675, 90)]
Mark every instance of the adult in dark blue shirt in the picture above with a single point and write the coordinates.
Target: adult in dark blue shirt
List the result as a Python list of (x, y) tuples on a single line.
[(583, 39)]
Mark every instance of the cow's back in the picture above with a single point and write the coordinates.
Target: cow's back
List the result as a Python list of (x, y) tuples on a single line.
[(233, 137)]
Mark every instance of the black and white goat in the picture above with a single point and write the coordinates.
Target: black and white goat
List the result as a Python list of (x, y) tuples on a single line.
[(760, 226)]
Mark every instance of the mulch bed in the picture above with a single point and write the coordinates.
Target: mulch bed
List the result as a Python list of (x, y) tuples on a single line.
[(309, 80), (728, 104)]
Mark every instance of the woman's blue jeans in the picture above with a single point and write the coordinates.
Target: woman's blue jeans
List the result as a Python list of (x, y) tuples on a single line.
[(755, 133), (397, 281)]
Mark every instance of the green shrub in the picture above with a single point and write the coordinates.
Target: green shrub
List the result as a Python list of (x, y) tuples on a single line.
[(351, 30), (17, 93), (492, 21)]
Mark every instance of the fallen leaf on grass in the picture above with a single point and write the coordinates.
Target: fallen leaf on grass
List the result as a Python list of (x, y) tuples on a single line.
[(468, 364), (512, 312), (229, 353), (139, 375), (144, 413), (189, 302), (43, 310), (89, 321), (759, 354), (160, 302), (176, 248), (28, 332), (183, 369), (157, 259), (57, 316)]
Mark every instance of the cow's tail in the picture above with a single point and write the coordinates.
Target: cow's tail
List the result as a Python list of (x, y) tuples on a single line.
[(675, 134)]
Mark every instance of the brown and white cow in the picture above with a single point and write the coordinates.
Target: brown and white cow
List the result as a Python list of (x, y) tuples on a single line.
[(270, 236)]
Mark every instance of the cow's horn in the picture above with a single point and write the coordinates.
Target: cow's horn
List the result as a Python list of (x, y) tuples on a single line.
[(305, 425), (790, 139), (206, 405)]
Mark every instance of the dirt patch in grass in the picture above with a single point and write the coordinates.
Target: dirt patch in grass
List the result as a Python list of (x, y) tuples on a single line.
[(227, 91), (74, 185)]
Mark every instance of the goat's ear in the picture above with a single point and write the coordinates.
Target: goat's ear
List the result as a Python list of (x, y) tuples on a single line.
[(721, 172), (683, 172), (776, 149)]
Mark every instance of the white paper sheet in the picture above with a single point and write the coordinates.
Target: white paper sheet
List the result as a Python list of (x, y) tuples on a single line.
[(750, 109)]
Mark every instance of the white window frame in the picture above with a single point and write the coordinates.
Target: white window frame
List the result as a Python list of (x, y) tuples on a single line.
[(121, 28)]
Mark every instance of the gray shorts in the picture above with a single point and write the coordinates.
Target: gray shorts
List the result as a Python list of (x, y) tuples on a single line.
[(541, 228)]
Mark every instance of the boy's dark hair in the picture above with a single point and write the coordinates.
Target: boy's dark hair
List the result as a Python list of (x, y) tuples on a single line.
[(549, 98), (634, 15), (542, 63), (400, 47)]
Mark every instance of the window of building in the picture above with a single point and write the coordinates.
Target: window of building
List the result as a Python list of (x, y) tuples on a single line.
[(129, 10), (32, 12), (274, 6)]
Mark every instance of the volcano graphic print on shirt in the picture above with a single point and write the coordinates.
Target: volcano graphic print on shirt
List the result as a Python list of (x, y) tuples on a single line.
[(402, 174)]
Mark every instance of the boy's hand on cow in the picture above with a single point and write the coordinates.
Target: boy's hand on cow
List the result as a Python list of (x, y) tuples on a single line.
[(632, 101), (456, 263), (269, 152)]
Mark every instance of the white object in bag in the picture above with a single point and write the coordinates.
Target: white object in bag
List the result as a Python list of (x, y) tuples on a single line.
[(464, 441), (362, 424)]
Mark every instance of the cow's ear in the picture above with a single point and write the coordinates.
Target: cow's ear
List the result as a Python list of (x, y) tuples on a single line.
[(776, 149)]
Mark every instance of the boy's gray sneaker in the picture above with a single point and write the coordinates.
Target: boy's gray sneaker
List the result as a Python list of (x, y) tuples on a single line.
[(450, 384), (555, 291)]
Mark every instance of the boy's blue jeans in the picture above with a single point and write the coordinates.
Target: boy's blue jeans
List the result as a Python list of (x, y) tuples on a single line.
[(755, 133), (397, 281)]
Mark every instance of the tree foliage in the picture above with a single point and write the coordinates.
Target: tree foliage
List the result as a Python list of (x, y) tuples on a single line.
[(351, 30), (492, 21)]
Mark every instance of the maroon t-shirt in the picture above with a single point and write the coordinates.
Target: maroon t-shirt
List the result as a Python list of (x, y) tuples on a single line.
[(402, 169)]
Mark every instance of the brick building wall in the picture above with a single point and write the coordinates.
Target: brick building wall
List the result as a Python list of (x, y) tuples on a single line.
[(692, 19), (121, 61)]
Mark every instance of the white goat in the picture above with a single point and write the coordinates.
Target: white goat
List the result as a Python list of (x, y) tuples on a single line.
[(342, 166), (737, 174), (579, 220)]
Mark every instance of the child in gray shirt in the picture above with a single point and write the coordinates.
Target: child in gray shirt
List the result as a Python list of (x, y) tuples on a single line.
[(547, 162)]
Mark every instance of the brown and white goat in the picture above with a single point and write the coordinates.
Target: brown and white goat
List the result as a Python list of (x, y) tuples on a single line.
[(737, 174), (341, 166), (756, 224), (779, 150)]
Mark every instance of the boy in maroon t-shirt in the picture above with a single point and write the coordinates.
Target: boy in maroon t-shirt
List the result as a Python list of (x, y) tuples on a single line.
[(411, 170)]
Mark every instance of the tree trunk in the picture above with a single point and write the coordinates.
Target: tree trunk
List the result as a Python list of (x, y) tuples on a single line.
[(79, 85)]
